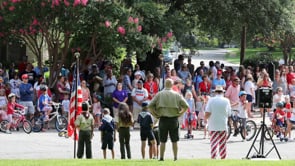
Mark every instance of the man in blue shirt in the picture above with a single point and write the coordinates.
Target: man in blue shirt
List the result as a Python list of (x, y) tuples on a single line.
[(26, 95)]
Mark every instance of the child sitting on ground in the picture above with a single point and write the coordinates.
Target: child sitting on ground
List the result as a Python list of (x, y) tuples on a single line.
[(108, 134)]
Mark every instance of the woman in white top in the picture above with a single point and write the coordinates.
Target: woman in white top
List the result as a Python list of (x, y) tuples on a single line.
[(250, 88)]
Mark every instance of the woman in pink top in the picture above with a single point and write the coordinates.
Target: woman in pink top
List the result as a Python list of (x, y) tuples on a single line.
[(86, 96)]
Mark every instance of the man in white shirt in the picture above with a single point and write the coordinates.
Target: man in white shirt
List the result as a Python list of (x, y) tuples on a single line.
[(139, 95), (217, 111)]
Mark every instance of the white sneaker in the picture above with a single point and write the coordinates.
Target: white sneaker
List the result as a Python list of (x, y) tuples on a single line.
[(38, 122), (7, 132)]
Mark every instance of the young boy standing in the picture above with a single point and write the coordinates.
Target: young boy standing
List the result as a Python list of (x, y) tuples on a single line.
[(242, 108), (146, 129), (108, 136)]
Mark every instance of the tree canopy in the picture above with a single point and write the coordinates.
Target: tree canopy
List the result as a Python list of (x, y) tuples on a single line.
[(103, 28)]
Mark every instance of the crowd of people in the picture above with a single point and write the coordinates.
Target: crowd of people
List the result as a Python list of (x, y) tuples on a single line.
[(182, 95)]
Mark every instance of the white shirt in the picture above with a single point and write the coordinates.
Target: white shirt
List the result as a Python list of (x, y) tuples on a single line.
[(139, 94), (109, 84), (242, 111), (220, 110), (293, 115), (249, 85)]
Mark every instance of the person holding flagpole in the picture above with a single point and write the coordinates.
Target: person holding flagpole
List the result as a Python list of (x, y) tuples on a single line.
[(85, 124)]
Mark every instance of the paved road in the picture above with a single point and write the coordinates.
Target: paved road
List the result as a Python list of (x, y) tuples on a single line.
[(47, 145), (210, 55)]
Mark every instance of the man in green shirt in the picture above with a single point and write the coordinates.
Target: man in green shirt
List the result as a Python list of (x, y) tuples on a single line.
[(168, 105), (85, 123)]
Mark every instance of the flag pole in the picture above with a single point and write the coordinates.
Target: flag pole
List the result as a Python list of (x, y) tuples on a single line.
[(77, 55)]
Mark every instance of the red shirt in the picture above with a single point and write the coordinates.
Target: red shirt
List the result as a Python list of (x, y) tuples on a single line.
[(203, 88), (152, 88), (11, 107), (290, 76), (289, 113), (279, 115)]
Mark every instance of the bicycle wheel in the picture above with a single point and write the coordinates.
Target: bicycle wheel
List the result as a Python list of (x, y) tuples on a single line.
[(271, 132), (3, 125), (251, 130), (61, 123), (36, 124), (27, 126)]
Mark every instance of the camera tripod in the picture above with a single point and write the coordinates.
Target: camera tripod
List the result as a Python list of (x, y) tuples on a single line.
[(262, 130)]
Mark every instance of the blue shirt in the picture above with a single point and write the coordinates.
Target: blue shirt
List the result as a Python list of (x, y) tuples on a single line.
[(26, 92), (43, 98), (218, 82)]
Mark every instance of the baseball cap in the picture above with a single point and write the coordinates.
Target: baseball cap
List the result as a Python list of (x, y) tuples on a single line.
[(11, 95), (242, 93), (144, 104), (219, 72), (139, 82), (25, 76)]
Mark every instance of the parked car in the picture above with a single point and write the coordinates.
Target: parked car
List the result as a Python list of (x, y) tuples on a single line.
[(167, 57)]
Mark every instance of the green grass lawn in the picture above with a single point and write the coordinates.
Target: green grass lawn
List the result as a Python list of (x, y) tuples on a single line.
[(196, 162), (234, 55)]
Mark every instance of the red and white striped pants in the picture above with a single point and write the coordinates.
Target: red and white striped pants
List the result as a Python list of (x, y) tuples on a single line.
[(218, 138)]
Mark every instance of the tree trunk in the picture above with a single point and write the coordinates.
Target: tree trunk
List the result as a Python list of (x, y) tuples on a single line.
[(243, 44)]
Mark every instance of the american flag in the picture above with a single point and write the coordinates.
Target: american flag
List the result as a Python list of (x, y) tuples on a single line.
[(75, 107)]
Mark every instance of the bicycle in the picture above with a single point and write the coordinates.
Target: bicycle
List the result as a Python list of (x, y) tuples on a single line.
[(61, 122), (19, 120), (251, 129)]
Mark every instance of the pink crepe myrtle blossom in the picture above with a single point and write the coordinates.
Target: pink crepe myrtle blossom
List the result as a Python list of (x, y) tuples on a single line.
[(43, 4), (139, 28), (107, 23), (130, 20), (136, 20), (84, 2), (76, 2), (121, 30), (15, 1), (169, 34), (164, 39), (11, 8), (35, 22), (67, 3), (21, 31), (55, 3), (4, 3)]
